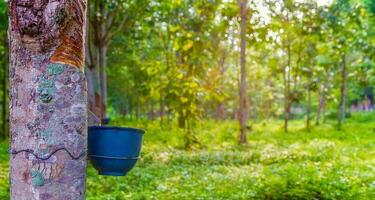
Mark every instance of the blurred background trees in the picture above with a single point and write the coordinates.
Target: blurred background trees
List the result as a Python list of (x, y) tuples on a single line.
[(180, 61)]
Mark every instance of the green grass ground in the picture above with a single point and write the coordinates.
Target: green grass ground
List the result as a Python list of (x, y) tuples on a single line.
[(321, 164)]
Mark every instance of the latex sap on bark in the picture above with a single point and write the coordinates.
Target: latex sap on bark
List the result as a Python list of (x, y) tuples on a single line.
[(48, 113)]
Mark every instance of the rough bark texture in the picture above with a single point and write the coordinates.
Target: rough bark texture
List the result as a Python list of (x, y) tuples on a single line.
[(96, 77), (341, 113), (93, 86), (243, 116), (48, 113)]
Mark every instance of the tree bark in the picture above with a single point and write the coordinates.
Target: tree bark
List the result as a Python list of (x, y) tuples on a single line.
[(287, 103), (92, 76), (103, 81), (243, 115), (93, 93), (48, 112), (220, 110), (308, 112), (104, 24), (322, 102), (341, 111)]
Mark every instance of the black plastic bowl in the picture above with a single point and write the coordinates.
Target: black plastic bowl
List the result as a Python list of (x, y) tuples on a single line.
[(114, 151)]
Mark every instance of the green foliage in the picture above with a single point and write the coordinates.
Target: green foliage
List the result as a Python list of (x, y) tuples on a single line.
[(4, 171), (178, 62), (181, 58), (321, 164)]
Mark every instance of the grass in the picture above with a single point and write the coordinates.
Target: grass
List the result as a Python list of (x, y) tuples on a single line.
[(322, 164)]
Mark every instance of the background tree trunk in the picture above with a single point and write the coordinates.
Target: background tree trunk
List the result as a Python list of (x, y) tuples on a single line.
[(104, 24), (92, 76), (220, 110), (243, 115), (341, 112), (287, 103), (103, 81), (322, 102), (48, 112), (308, 112), (93, 93)]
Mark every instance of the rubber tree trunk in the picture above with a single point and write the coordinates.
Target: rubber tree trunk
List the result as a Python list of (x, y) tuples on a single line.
[(48, 113), (97, 82), (93, 92), (308, 112), (341, 113), (243, 115), (322, 103), (287, 103), (100, 33), (93, 87), (220, 110), (103, 81)]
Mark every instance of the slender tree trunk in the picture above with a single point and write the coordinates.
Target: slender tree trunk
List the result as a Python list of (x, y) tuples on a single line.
[(341, 112), (103, 81), (323, 115), (92, 76), (5, 92), (96, 50), (93, 92), (308, 112), (322, 102), (169, 114), (287, 103), (296, 71), (243, 115), (220, 110), (320, 106), (161, 109), (48, 112)]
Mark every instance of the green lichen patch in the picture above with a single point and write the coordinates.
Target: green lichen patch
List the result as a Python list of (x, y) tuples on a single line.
[(46, 90), (45, 96), (47, 87), (46, 84), (55, 68), (37, 178), (47, 136)]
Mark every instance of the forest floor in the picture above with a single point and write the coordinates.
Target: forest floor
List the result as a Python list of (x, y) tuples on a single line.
[(321, 164)]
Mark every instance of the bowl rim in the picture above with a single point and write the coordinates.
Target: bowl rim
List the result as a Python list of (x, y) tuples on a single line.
[(115, 158), (137, 130)]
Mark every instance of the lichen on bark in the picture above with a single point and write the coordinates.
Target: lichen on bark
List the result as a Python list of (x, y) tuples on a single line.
[(48, 113)]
